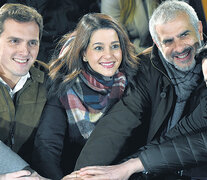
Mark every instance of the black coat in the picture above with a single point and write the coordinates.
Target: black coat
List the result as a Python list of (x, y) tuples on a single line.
[(172, 151), (54, 154), (58, 140), (179, 153), (146, 110)]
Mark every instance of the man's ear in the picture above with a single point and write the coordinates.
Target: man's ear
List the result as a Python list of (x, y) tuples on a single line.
[(84, 57), (204, 69), (200, 30)]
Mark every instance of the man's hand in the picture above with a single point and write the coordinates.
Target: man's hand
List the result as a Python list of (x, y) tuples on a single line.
[(19, 175), (22, 175)]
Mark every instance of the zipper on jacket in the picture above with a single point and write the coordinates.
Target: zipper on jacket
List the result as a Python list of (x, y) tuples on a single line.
[(160, 71), (10, 139)]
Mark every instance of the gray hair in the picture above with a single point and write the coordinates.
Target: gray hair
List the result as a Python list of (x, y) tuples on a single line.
[(169, 10)]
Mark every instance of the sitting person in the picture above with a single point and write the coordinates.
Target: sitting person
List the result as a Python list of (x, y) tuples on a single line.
[(22, 87), (89, 76), (169, 101)]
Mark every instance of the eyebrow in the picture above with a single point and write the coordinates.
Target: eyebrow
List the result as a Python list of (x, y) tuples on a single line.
[(183, 33), (115, 42), (100, 43), (97, 43), (35, 40), (171, 39), (13, 37), (166, 40)]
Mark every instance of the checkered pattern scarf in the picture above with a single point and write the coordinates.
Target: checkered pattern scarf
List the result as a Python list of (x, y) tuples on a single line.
[(89, 98)]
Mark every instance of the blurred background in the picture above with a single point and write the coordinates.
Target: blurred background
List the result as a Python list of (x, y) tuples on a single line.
[(61, 17)]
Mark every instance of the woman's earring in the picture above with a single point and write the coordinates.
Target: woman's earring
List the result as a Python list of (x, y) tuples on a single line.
[(84, 59)]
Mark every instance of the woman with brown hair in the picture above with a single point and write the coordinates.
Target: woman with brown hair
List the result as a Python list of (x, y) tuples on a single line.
[(95, 64)]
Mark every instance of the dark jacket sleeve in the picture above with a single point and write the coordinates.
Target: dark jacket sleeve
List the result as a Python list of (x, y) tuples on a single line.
[(49, 140), (113, 129), (179, 153), (193, 122), (183, 146)]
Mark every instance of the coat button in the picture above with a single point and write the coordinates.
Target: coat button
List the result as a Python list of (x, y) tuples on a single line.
[(163, 94)]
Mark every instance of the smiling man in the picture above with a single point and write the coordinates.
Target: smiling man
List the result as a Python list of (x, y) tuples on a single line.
[(166, 102), (19, 44), (172, 41), (22, 89)]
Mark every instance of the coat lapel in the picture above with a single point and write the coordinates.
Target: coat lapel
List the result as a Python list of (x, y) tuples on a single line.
[(165, 106)]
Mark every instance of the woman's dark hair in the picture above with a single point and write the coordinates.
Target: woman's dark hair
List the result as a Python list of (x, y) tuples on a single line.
[(70, 63)]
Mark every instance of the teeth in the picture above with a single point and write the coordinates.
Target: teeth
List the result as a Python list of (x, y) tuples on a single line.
[(107, 64), (183, 56), (20, 60)]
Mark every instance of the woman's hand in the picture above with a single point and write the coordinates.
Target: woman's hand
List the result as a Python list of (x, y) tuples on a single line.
[(75, 176), (116, 172)]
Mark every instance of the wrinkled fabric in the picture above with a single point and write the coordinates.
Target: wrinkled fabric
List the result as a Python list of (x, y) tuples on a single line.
[(10, 161)]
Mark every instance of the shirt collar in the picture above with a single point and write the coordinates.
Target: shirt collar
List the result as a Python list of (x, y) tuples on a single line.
[(17, 87)]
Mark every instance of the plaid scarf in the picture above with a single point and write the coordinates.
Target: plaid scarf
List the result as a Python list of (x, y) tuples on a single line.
[(89, 98)]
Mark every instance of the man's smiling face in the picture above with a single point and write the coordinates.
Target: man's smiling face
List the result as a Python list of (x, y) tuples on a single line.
[(179, 41), (19, 46)]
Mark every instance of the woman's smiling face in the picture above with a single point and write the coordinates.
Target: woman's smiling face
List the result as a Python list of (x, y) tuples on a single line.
[(104, 53)]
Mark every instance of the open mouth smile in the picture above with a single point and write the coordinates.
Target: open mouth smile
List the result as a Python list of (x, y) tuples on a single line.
[(108, 64), (22, 61), (183, 56)]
